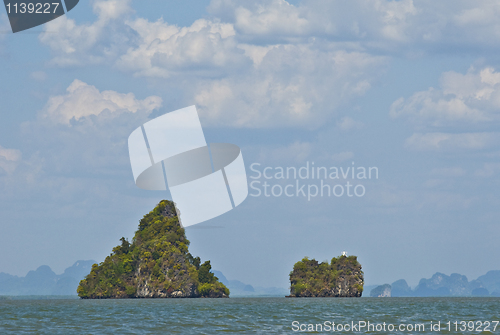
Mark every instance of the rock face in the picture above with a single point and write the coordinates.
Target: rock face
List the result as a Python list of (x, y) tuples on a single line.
[(341, 278), (400, 288), (43, 281), (441, 285), (157, 264), (491, 281), (382, 291)]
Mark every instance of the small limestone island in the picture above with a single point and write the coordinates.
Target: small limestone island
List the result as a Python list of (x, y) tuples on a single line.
[(341, 278), (157, 264)]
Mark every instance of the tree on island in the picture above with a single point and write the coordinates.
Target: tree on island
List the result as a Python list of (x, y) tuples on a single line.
[(157, 264), (341, 278)]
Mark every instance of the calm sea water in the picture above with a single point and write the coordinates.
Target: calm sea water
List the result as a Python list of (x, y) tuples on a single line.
[(244, 315)]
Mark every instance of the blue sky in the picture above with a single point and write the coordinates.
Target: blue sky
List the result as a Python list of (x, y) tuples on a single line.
[(412, 88)]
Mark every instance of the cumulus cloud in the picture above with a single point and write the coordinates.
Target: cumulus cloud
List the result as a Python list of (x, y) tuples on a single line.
[(164, 49), (251, 85), (473, 97), (463, 101), (275, 17), (239, 83), (354, 20), (157, 48), (270, 63), (77, 148), (103, 40), (423, 26), (291, 86), (83, 100), (147, 48)]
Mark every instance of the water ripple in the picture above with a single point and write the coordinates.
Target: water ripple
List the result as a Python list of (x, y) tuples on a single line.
[(234, 315)]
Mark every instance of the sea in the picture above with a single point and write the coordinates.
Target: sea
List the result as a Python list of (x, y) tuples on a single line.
[(266, 315)]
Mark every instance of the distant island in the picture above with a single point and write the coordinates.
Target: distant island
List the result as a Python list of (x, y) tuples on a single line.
[(441, 285), (240, 289), (44, 282), (157, 264), (341, 278)]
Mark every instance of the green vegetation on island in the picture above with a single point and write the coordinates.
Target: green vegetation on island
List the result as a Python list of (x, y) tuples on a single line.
[(341, 278), (157, 264)]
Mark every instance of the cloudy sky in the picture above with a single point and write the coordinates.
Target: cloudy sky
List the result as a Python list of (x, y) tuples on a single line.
[(412, 88)]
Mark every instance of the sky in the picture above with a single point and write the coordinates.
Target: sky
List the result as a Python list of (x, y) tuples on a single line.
[(409, 88)]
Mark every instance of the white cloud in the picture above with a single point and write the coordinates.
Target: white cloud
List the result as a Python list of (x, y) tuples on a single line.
[(464, 102), (157, 48), (288, 85), (394, 26), (163, 49), (276, 17), (111, 9), (291, 86), (9, 159), (238, 83), (77, 150), (307, 59), (448, 141), (104, 39), (473, 97), (354, 20), (256, 52), (82, 100), (147, 48)]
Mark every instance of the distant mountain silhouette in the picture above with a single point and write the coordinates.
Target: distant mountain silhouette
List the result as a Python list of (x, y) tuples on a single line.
[(382, 291), (400, 288), (234, 285), (238, 288), (491, 281), (43, 281), (441, 285)]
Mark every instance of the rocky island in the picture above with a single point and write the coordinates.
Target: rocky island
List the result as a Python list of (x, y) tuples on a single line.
[(157, 264), (341, 278)]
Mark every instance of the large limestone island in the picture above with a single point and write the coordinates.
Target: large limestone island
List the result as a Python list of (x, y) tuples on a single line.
[(156, 265), (341, 278)]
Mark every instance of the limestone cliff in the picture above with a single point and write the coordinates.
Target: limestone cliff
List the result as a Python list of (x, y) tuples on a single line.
[(157, 264), (382, 291), (341, 278)]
